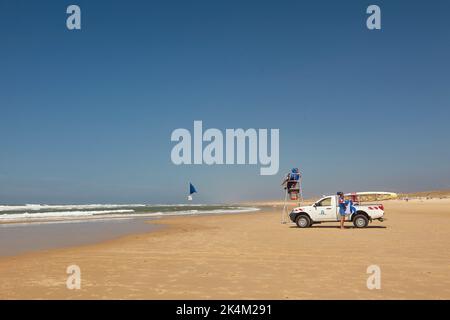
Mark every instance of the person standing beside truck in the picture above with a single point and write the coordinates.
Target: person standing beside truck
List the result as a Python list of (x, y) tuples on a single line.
[(342, 207)]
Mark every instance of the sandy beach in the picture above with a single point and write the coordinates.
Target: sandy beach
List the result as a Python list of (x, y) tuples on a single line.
[(250, 256)]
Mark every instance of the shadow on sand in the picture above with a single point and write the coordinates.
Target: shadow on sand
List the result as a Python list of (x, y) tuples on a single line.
[(337, 227)]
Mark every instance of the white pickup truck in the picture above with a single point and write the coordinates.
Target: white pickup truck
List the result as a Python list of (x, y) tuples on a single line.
[(327, 210)]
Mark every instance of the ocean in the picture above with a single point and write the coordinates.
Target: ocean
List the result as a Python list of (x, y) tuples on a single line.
[(45, 212)]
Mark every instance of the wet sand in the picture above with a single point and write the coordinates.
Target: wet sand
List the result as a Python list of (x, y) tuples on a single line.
[(19, 238), (250, 256)]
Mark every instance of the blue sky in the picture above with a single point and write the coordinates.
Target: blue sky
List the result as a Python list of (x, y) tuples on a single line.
[(86, 116)]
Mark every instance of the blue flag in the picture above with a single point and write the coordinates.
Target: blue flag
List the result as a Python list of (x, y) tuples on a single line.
[(191, 189)]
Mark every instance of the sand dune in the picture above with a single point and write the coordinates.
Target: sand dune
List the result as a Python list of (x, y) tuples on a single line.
[(251, 256)]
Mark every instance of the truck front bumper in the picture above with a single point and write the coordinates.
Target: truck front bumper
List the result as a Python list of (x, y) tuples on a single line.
[(292, 216)]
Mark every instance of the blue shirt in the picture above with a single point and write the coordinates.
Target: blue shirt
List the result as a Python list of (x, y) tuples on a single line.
[(342, 206)]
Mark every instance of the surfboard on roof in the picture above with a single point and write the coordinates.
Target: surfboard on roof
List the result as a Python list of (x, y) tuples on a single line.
[(371, 195)]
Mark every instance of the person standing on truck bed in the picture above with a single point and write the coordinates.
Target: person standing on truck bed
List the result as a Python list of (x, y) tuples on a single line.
[(342, 207)]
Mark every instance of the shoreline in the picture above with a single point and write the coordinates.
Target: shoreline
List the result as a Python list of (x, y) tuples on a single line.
[(249, 256)]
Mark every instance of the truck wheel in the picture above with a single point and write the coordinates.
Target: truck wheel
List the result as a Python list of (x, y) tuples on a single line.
[(303, 221), (360, 221)]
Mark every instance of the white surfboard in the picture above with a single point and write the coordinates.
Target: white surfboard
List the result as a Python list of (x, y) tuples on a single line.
[(373, 195)]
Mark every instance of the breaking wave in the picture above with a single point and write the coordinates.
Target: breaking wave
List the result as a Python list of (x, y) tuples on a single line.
[(38, 212)]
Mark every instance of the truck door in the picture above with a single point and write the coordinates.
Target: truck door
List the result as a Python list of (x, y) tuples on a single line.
[(326, 209)]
